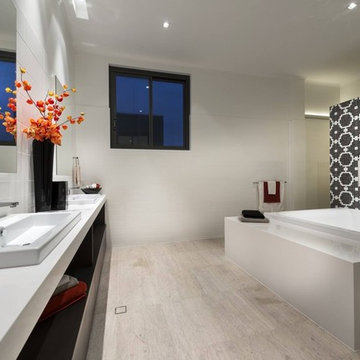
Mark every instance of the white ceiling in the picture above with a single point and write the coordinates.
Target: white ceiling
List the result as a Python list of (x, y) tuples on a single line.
[(315, 39)]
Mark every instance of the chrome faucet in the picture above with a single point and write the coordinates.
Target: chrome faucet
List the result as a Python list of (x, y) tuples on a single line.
[(12, 204)]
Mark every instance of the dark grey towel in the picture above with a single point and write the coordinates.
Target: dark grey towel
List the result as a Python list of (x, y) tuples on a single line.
[(250, 220), (252, 214)]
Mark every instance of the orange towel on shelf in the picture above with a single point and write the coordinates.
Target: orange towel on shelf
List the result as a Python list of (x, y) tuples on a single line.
[(64, 299)]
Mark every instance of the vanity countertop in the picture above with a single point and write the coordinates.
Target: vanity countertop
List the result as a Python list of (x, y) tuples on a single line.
[(25, 291)]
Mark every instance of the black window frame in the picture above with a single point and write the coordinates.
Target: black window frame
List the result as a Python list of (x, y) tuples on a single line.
[(151, 76), (9, 56)]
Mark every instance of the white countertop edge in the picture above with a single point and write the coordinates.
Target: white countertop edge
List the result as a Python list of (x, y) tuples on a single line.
[(25, 291)]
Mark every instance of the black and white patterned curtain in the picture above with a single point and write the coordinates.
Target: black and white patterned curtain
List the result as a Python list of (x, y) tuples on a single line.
[(344, 154)]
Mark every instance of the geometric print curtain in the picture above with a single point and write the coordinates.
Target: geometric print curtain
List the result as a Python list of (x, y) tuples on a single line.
[(344, 154)]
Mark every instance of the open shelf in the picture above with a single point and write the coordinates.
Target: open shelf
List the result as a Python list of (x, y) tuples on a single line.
[(56, 338)]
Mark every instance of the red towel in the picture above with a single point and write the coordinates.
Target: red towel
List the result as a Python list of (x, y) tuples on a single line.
[(271, 198), (63, 300)]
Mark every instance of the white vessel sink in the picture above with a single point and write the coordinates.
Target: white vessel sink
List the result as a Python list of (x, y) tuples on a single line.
[(83, 199), (26, 239)]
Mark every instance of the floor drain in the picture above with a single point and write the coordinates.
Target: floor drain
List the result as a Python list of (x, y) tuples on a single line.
[(120, 310)]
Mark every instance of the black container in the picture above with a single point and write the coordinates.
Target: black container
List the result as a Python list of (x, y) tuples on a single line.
[(43, 159), (91, 191), (59, 195)]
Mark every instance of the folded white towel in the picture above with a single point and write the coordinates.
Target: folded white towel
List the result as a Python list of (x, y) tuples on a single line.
[(271, 187), (65, 283)]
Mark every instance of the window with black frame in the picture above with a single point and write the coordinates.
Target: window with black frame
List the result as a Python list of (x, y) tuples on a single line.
[(7, 78), (149, 110)]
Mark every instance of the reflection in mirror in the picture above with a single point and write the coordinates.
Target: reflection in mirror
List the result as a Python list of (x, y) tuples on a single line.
[(65, 152), (7, 78)]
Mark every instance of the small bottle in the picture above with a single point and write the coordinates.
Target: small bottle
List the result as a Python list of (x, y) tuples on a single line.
[(76, 181)]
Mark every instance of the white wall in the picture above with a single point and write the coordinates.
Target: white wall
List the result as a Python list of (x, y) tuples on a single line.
[(242, 128), (43, 49), (319, 97), (7, 158), (317, 164), (350, 90)]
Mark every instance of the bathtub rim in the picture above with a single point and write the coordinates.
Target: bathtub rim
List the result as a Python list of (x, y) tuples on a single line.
[(282, 216)]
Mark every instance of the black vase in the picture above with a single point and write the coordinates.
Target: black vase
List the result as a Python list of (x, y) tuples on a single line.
[(43, 157)]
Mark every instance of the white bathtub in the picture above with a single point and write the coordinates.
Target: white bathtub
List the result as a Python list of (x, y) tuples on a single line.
[(311, 258), (340, 221)]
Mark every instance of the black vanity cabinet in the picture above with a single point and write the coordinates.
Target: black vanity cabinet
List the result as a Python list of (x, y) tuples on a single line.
[(65, 335)]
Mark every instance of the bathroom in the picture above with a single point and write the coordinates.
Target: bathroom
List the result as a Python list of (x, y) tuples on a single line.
[(259, 110)]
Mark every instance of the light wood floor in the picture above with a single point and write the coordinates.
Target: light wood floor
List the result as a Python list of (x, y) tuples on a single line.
[(186, 301)]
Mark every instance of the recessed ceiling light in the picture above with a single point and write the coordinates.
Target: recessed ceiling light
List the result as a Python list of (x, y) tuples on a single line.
[(352, 6), (80, 9), (166, 24)]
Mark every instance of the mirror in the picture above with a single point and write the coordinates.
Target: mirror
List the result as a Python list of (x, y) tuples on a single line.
[(65, 152), (7, 78)]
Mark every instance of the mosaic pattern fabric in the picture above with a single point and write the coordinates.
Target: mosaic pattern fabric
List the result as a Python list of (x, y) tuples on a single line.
[(344, 154)]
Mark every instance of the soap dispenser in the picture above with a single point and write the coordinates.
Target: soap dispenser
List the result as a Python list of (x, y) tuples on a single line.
[(76, 181)]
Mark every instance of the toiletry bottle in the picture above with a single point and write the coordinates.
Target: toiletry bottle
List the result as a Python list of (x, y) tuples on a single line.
[(76, 173)]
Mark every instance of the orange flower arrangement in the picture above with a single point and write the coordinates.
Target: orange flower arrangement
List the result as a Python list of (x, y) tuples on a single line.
[(10, 119), (48, 125)]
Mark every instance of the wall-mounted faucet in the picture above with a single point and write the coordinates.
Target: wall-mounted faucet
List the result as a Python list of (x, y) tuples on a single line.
[(12, 204)]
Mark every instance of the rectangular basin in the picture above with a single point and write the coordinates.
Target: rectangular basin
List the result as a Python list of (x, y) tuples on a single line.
[(26, 239), (83, 199)]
